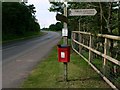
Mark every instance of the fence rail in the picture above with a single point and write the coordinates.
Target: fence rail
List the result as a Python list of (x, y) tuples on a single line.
[(77, 39)]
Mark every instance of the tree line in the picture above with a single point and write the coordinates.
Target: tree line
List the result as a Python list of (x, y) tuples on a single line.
[(18, 20), (56, 27), (106, 21)]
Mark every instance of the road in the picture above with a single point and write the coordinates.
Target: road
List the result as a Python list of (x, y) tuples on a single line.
[(20, 58)]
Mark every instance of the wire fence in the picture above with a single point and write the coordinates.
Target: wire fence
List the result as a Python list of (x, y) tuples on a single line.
[(102, 52)]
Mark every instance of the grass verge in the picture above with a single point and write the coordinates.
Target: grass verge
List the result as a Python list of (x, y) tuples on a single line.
[(50, 74)]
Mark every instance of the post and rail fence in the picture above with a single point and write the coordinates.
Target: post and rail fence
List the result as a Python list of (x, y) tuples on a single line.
[(96, 51)]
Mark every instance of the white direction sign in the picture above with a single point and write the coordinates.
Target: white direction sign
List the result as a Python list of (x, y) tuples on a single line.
[(84, 0), (82, 12)]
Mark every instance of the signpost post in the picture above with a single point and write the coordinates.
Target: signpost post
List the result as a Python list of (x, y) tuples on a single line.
[(64, 19), (65, 40)]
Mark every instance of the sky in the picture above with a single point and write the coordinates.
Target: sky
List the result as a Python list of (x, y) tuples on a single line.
[(45, 18)]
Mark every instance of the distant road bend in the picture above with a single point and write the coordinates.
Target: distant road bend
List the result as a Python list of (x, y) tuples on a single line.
[(21, 57)]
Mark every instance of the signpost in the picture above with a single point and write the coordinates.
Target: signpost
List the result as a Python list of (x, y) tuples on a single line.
[(82, 12), (64, 19), (73, 12)]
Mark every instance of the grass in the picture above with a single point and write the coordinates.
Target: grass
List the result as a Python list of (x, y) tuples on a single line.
[(98, 63), (50, 74)]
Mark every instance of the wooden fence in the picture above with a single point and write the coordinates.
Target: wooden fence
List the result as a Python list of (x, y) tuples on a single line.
[(89, 47)]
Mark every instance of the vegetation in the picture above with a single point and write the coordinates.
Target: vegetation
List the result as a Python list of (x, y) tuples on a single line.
[(106, 21), (49, 74), (18, 20), (108, 72), (56, 27)]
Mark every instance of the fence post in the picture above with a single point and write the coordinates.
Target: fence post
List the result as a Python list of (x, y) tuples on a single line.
[(71, 39), (74, 39), (90, 45), (80, 40), (105, 53)]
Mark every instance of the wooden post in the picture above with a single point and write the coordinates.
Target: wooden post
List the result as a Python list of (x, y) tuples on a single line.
[(74, 39), (71, 39), (80, 40), (72, 42), (65, 41), (79, 24), (90, 45), (65, 72), (105, 53)]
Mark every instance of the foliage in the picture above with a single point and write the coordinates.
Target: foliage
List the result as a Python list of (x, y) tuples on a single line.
[(115, 31), (56, 27), (18, 19), (103, 22), (56, 7), (50, 74), (106, 21)]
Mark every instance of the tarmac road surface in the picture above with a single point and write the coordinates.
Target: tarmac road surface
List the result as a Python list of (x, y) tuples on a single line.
[(19, 58)]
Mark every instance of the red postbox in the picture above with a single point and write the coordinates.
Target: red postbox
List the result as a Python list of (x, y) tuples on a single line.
[(63, 53)]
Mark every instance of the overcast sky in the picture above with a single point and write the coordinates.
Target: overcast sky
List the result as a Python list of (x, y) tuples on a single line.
[(45, 18)]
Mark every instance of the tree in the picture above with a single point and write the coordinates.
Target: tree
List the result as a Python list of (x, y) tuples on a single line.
[(119, 17), (52, 27), (56, 27), (105, 14), (18, 20)]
